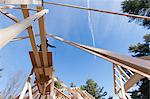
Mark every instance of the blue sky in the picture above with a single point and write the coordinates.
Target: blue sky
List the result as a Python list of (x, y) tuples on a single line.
[(111, 32)]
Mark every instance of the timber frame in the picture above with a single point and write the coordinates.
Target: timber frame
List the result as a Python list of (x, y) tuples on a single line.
[(127, 71)]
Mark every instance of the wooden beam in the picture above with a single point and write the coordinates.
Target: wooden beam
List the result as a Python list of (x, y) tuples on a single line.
[(139, 66), (118, 71), (6, 7), (32, 37), (91, 97), (98, 10), (122, 71), (22, 38), (114, 77), (19, 2), (145, 58), (10, 16), (133, 80), (61, 93), (7, 34), (122, 86), (83, 93), (23, 91), (43, 37), (25, 11)]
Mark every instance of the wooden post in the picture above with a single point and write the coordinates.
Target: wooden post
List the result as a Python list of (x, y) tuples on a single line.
[(25, 12)]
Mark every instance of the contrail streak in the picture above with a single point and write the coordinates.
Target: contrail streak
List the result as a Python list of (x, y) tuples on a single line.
[(90, 24)]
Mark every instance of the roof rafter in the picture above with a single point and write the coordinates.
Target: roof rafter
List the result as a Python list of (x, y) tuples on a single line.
[(98, 10)]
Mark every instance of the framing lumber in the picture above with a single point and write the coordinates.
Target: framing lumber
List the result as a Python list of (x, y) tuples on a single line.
[(139, 66), (82, 93), (122, 86), (61, 93), (7, 34), (43, 37), (97, 10), (122, 71), (22, 38), (117, 70), (133, 80), (10, 16), (6, 7), (31, 35), (114, 77), (45, 76)]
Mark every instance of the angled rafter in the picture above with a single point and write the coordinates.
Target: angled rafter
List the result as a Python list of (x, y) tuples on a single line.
[(6, 7), (139, 66), (97, 10), (11, 16), (7, 34), (61, 93), (22, 38), (30, 9)]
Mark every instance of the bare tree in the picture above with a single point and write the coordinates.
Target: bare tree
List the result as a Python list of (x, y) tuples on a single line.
[(12, 87)]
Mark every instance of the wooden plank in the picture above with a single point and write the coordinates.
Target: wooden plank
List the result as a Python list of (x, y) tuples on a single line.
[(61, 93), (34, 64), (6, 7), (38, 70), (34, 47), (43, 42), (23, 91), (48, 71), (43, 37), (133, 80), (145, 57), (122, 71), (45, 76), (8, 33), (31, 35), (122, 86), (114, 77), (49, 58), (11, 16), (84, 95), (24, 37), (139, 66), (98, 10)]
